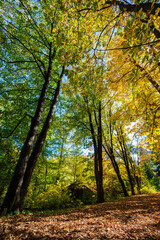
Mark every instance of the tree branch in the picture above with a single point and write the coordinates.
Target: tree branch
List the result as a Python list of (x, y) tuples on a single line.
[(152, 81), (12, 62), (128, 47), (36, 28), (28, 49), (148, 7), (16, 126)]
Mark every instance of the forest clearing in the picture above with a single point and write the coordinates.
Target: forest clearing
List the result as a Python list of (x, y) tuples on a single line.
[(137, 217)]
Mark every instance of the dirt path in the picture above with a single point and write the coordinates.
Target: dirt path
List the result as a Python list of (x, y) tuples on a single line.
[(137, 217)]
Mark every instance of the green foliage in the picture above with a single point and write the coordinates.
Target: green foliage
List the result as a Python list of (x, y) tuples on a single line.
[(148, 189), (52, 200), (113, 188), (156, 182), (152, 179), (57, 197), (148, 171), (8, 157)]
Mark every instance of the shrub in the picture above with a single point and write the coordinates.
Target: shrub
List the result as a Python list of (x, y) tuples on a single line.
[(55, 198), (148, 189)]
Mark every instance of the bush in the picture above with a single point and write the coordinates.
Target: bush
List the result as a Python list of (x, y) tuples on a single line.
[(148, 189), (55, 198), (156, 182)]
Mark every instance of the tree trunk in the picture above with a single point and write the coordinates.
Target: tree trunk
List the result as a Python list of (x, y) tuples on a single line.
[(110, 154), (19, 202), (17, 179), (98, 167), (130, 177), (14, 188), (60, 162), (46, 173), (99, 178), (138, 179), (125, 157), (116, 168), (112, 157), (100, 191)]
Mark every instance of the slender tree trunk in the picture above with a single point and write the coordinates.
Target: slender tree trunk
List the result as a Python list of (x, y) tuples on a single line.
[(112, 157), (46, 174), (110, 152), (138, 182), (97, 144), (126, 161), (116, 168), (17, 179), (125, 157), (130, 177), (100, 191), (60, 162), (19, 201), (138, 179), (117, 171)]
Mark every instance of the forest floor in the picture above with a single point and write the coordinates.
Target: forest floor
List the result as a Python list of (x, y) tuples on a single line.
[(137, 217)]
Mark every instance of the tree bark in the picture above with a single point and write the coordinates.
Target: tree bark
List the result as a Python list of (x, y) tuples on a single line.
[(60, 162), (129, 175), (125, 157), (100, 191), (110, 153), (116, 168), (97, 145)]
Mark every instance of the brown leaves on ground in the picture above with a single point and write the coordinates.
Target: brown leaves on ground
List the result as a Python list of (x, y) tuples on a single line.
[(137, 217)]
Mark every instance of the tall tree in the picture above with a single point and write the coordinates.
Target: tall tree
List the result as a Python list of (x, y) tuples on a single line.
[(87, 87), (97, 145), (20, 197), (29, 46)]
